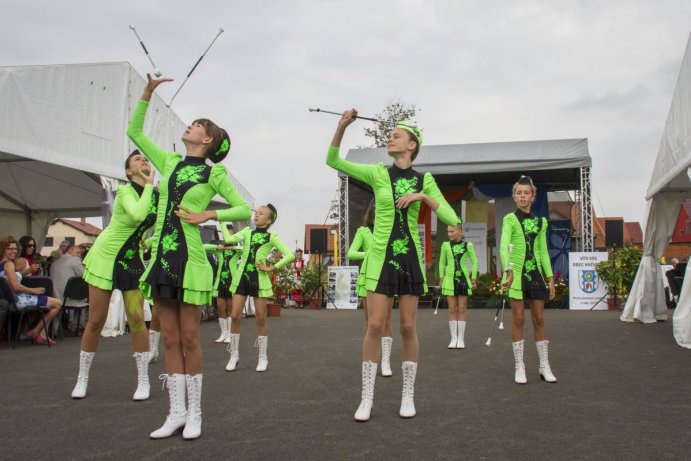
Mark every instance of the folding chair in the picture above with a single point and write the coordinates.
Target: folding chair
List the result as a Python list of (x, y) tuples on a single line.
[(77, 290), (7, 293)]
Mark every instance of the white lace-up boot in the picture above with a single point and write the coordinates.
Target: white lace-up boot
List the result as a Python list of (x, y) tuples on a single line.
[(229, 321), (193, 425), (369, 373), (545, 371), (386, 344), (224, 331), (234, 349), (177, 414), (460, 344), (85, 359), (453, 328), (407, 402), (519, 377), (143, 386), (262, 343), (154, 336)]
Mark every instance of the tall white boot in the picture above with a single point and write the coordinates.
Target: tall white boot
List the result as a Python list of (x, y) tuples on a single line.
[(224, 331), (143, 387), (545, 371), (229, 321), (460, 344), (453, 328), (369, 373), (407, 402), (154, 336), (193, 426), (519, 377), (234, 349), (262, 343), (386, 344), (85, 359), (177, 414)]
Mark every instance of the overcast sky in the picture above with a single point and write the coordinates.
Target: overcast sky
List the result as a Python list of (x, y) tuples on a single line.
[(481, 71)]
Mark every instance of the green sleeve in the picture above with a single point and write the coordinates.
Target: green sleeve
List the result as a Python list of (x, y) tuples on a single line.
[(223, 186), (288, 256), (148, 243), (135, 206), (237, 237), (210, 247), (442, 259), (473, 260), (507, 229), (157, 155), (542, 250), (444, 212), (354, 252), (361, 172)]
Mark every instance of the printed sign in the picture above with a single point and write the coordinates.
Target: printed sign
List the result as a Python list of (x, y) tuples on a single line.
[(586, 290)]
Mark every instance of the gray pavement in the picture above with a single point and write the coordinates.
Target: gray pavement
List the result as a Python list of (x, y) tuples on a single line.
[(624, 392)]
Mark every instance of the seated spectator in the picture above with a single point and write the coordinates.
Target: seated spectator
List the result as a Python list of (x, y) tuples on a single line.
[(25, 296), (675, 280), (67, 266), (29, 261)]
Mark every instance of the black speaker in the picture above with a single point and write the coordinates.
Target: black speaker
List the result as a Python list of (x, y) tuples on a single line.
[(614, 233), (318, 241)]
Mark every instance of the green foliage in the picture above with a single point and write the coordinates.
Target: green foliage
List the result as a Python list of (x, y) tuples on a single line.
[(311, 279), (395, 112), (620, 270)]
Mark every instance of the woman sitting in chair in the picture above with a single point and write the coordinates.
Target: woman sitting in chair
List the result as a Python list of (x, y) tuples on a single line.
[(25, 296)]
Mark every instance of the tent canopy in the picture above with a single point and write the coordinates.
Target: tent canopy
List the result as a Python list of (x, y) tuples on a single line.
[(63, 127), (669, 186), (555, 163)]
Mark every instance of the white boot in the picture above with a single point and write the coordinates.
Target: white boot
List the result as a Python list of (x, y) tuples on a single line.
[(386, 343), (262, 343), (229, 321), (461, 335), (234, 349), (143, 387), (85, 359), (224, 331), (154, 336), (193, 425), (177, 415), (369, 373), (453, 328), (545, 371), (519, 377), (407, 402)]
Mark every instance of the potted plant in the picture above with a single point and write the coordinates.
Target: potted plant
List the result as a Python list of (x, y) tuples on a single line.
[(312, 279), (283, 284), (618, 272)]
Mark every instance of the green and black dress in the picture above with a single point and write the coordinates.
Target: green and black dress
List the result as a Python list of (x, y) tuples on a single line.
[(115, 261), (530, 258), (179, 268), (453, 267), (395, 264), (358, 252)]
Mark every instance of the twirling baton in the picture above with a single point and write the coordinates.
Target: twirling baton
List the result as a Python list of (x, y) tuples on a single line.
[(387, 122), (157, 72), (220, 31), (503, 303)]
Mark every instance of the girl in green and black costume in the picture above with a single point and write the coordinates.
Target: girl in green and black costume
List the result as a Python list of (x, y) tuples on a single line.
[(358, 252), (253, 279), (227, 258), (394, 261), (115, 263), (530, 266), (179, 277), (456, 282)]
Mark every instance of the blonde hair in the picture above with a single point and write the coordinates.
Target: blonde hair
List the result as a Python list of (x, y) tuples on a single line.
[(524, 181)]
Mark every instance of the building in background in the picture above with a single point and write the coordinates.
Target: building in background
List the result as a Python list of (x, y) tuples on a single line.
[(75, 232)]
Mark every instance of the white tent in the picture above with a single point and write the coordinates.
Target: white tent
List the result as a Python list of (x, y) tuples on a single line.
[(669, 185), (63, 137)]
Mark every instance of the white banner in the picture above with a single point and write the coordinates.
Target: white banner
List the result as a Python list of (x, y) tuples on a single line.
[(476, 233), (342, 287), (585, 287)]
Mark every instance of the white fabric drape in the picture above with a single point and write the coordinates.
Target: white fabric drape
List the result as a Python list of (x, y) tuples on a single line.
[(682, 314)]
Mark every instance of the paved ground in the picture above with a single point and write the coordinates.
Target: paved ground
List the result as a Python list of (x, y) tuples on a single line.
[(624, 392)]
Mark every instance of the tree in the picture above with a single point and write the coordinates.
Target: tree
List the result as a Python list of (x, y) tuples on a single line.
[(395, 112)]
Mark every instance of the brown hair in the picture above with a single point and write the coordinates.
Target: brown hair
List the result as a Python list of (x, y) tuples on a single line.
[(5, 242), (524, 181), (414, 138), (369, 215), (212, 130)]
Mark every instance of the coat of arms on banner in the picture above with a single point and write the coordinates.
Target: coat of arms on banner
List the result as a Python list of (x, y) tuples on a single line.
[(588, 281)]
